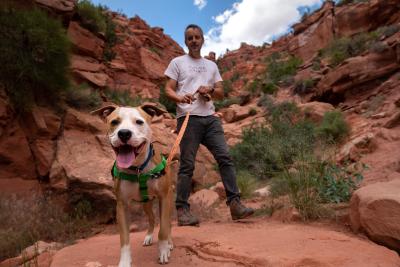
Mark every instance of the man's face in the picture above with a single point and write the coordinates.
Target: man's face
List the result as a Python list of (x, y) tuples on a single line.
[(194, 39)]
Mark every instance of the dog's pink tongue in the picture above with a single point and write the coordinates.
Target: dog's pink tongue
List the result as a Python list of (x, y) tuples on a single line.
[(125, 160)]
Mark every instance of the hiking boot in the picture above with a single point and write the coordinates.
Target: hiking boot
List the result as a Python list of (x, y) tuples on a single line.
[(185, 218), (238, 210)]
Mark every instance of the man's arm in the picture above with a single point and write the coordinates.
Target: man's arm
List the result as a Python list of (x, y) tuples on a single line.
[(170, 92)]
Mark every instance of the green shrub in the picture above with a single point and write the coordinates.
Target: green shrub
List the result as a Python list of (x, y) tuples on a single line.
[(227, 85), (111, 40), (123, 98), (265, 150), (82, 97), (95, 19), (235, 77), (333, 127), (279, 69), (345, 2), (346, 47), (388, 31), (226, 102), (155, 50), (337, 183), (265, 101), (164, 100), (92, 17), (310, 182), (23, 221), (254, 87), (252, 112), (303, 87), (300, 181), (316, 64), (269, 88), (247, 183), (34, 54)]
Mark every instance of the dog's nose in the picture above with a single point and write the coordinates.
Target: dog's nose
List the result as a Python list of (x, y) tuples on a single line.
[(124, 135)]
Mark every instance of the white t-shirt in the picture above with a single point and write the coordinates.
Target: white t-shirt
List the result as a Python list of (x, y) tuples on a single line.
[(191, 73)]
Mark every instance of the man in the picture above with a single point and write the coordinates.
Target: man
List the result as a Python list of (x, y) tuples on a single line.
[(192, 82), (211, 56)]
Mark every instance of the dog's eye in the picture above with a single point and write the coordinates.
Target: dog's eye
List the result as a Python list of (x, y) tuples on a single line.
[(114, 122), (140, 122)]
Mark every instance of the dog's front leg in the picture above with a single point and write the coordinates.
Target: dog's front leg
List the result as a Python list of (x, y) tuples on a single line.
[(164, 235), (123, 220), (148, 209)]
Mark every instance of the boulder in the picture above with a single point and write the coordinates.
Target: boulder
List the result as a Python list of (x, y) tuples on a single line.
[(204, 198), (315, 110), (84, 42), (235, 113), (375, 210)]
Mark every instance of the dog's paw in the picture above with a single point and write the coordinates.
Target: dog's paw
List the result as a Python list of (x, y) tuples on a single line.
[(124, 264), (125, 259), (165, 251), (148, 240)]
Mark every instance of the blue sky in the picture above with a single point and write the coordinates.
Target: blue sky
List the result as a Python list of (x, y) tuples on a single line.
[(226, 23)]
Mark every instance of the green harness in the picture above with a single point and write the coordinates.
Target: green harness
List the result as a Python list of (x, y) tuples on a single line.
[(141, 178)]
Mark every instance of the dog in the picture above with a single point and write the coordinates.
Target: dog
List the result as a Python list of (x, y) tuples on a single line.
[(130, 136)]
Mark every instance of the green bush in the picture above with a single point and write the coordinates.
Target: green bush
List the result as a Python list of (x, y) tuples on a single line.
[(388, 31), (266, 150), (227, 85), (164, 100), (345, 2), (269, 88), (346, 47), (254, 87), (226, 102), (281, 68), (333, 127), (34, 54), (123, 98), (92, 17), (82, 97), (95, 19), (23, 221), (303, 87), (111, 40), (235, 77), (337, 184), (310, 182), (300, 182), (247, 183)]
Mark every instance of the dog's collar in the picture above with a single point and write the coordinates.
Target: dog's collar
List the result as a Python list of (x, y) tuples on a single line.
[(141, 178)]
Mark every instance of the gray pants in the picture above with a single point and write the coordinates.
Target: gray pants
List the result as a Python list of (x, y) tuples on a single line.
[(209, 132)]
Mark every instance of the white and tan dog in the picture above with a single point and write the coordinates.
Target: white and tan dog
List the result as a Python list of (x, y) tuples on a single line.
[(130, 136)]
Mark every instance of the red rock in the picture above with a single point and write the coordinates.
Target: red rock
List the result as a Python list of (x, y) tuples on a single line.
[(85, 42), (375, 211), (259, 242), (204, 198)]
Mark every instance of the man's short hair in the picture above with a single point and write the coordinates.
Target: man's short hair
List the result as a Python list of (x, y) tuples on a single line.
[(194, 26)]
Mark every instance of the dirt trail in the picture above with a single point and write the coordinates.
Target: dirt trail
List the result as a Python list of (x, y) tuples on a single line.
[(258, 242)]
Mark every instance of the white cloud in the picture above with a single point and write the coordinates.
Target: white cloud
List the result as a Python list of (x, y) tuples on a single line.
[(253, 22), (200, 3)]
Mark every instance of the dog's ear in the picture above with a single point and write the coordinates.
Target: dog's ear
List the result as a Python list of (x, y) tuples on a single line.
[(152, 109), (104, 111)]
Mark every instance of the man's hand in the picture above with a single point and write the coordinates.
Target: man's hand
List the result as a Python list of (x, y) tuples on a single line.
[(205, 92), (187, 99)]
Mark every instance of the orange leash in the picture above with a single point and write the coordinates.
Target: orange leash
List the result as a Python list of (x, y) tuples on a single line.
[(178, 139)]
